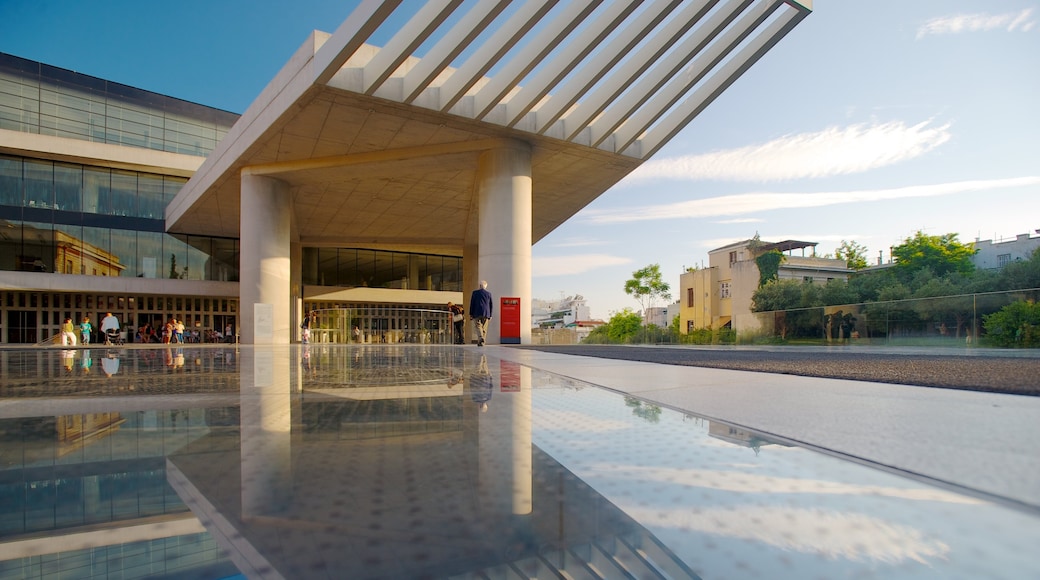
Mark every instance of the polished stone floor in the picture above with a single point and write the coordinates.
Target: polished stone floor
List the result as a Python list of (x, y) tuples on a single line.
[(459, 462)]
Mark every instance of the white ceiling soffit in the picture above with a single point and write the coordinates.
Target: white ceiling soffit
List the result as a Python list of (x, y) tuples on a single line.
[(623, 76)]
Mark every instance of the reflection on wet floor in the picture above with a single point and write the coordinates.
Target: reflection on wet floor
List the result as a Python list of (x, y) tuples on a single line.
[(435, 462)]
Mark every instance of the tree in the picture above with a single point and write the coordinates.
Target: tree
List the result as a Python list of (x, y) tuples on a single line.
[(855, 255), (941, 254), (647, 287), (622, 327), (1015, 325)]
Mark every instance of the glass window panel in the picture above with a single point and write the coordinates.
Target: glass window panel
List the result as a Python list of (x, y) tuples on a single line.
[(37, 254), (10, 181), (97, 183), (383, 273), (150, 255), (175, 257), (123, 196), (39, 184), (200, 248), (171, 185), (98, 259), (224, 260), (124, 253), (327, 265), (150, 201), (68, 185), (68, 248)]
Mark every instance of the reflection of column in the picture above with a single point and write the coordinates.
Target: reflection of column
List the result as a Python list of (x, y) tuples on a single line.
[(504, 443), (266, 427), (264, 262), (504, 218)]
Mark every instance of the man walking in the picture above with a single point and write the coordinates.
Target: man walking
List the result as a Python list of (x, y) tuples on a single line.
[(480, 307)]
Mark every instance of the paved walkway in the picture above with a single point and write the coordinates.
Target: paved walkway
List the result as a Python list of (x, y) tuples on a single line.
[(976, 441)]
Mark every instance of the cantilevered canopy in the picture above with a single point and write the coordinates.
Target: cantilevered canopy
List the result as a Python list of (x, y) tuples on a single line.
[(379, 145)]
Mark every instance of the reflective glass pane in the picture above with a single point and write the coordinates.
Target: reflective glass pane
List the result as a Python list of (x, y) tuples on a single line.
[(97, 182), (175, 257), (69, 253), (150, 254), (124, 252), (10, 181), (123, 196), (37, 253), (68, 185), (150, 202), (39, 184)]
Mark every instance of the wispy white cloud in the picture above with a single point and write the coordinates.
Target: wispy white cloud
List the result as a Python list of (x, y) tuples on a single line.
[(574, 264), (741, 221), (1012, 21), (759, 202), (578, 242), (833, 151)]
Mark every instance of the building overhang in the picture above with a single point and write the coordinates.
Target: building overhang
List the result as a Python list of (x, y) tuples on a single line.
[(380, 147)]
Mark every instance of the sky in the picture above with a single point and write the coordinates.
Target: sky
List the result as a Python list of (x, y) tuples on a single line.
[(869, 122)]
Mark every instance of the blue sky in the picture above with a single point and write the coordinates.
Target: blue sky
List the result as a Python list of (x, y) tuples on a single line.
[(868, 122)]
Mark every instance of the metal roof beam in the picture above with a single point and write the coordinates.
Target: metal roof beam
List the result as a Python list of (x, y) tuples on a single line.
[(488, 54), (680, 116), (657, 44), (350, 35), (563, 97), (404, 43), (703, 66), (571, 55), (531, 55), (450, 46)]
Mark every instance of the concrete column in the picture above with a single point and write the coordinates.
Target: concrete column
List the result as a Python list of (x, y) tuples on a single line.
[(504, 231), (265, 277)]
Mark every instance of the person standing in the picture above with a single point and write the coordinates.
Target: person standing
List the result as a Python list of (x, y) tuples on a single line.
[(480, 309), (110, 327), (178, 330), (68, 333), (84, 330), (306, 327), (457, 320)]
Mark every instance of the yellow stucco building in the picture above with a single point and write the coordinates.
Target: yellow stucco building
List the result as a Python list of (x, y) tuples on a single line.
[(719, 296)]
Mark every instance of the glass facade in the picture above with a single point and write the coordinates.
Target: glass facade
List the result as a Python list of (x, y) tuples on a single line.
[(83, 218), (46, 100), (357, 268), (79, 219)]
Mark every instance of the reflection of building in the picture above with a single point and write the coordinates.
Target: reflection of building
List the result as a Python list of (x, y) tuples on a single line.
[(719, 296), (995, 254)]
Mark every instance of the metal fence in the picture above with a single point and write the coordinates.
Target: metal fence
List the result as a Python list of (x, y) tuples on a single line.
[(954, 321)]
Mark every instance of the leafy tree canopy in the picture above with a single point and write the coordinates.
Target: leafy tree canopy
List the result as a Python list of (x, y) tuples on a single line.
[(941, 254), (854, 254), (647, 287)]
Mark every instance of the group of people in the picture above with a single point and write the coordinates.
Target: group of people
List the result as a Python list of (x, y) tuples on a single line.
[(481, 306), (109, 328)]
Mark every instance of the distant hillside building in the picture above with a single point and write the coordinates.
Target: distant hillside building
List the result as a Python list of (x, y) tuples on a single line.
[(559, 313), (993, 255), (719, 296)]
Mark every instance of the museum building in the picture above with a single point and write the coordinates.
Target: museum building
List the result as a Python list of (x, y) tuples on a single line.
[(87, 168)]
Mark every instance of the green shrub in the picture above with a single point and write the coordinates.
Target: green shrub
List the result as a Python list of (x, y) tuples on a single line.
[(1015, 325)]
